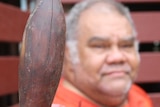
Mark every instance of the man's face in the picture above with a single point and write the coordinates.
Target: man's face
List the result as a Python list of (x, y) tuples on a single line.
[(108, 57)]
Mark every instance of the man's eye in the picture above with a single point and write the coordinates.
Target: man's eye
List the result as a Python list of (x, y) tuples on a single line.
[(98, 46), (128, 45)]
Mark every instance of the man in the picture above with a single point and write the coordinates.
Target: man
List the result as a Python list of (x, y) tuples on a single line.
[(101, 59)]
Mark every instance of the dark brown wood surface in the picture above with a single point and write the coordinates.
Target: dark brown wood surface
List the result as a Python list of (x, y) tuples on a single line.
[(42, 54)]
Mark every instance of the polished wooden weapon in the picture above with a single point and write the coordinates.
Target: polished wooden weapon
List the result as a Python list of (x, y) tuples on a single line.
[(42, 54)]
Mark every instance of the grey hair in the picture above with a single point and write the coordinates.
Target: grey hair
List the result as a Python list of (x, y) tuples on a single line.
[(73, 17)]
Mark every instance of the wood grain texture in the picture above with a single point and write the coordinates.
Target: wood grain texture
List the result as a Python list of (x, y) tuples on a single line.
[(42, 54)]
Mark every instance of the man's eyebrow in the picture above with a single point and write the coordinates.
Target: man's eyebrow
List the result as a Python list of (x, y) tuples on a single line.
[(97, 39), (129, 38)]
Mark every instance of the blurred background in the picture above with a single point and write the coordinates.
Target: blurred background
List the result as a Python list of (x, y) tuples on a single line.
[(13, 17)]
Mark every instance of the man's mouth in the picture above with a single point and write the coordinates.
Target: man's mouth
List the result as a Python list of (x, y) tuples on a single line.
[(115, 73), (115, 70)]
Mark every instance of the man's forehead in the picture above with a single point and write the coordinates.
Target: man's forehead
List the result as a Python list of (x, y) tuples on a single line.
[(98, 10), (102, 20), (109, 38), (101, 7), (104, 24)]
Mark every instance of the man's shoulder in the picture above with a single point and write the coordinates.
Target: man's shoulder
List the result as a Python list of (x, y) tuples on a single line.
[(138, 90), (139, 96)]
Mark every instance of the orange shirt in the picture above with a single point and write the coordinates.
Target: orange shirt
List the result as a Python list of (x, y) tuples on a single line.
[(137, 98)]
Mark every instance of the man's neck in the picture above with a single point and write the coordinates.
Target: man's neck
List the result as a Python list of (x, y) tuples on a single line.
[(72, 88)]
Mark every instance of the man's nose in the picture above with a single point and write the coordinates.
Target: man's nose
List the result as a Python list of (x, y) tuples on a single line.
[(115, 55)]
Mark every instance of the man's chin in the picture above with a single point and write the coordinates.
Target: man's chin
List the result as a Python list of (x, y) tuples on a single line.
[(115, 88)]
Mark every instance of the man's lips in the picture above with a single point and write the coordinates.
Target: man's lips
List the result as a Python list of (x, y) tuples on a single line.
[(115, 73), (115, 70)]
